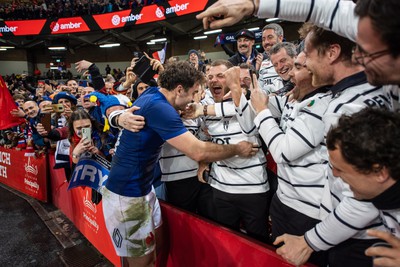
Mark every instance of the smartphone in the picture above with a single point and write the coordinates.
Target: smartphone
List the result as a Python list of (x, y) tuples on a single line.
[(87, 133), (58, 108), (143, 69), (45, 120)]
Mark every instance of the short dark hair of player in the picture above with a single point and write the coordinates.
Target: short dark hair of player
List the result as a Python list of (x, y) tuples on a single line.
[(180, 73), (322, 39), (369, 140), (384, 15)]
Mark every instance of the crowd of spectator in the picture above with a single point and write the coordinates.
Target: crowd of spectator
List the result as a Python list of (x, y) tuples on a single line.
[(298, 96), (44, 9)]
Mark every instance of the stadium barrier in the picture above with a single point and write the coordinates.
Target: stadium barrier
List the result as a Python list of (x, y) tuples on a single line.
[(191, 240)]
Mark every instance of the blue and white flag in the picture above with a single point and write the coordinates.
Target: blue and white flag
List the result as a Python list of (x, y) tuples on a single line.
[(91, 170)]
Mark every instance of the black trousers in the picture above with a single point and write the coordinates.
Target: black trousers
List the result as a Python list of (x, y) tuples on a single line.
[(286, 220), (350, 253), (251, 209), (191, 195)]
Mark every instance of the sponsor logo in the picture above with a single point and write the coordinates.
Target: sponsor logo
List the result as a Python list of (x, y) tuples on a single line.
[(117, 238), (65, 26), (116, 19), (31, 168), (89, 204), (32, 184), (8, 29), (91, 221), (160, 11)]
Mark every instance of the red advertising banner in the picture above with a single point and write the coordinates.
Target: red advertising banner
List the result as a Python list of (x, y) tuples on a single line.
[(146, 14), (24, 173), (76, 204), (115, 19), (69, 25), (23, 27)]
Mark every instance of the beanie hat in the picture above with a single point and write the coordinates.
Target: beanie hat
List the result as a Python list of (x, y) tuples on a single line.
[(107, 101), (64, 95), (191, 51)]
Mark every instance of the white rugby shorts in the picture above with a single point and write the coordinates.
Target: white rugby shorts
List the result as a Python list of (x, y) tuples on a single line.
[(131, 222)]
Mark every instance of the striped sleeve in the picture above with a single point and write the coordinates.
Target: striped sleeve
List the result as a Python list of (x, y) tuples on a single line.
[(350, 217), (334, 15), (306, 132), (224, 109), (245, 116)]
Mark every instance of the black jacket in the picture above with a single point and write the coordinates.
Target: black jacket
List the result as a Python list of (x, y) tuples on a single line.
[(236, 59)]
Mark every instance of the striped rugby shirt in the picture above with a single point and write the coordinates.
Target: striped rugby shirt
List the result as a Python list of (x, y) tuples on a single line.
[(297, 146), (174, 164), (339, 17), (268, 78), (235, 175), (339, 210)]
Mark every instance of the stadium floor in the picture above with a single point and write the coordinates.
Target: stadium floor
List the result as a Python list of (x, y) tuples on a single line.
[(38, 234)]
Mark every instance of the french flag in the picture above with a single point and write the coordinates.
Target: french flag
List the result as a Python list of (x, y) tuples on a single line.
[(160, 55)]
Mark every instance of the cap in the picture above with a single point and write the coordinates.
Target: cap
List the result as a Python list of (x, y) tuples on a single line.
[(191, 51), (245, 33), (64, 95)]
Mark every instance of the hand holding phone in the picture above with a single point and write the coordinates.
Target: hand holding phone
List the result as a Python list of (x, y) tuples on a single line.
[(45, 120), (87, 133)]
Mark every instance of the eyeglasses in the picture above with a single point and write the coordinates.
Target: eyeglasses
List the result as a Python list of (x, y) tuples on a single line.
[(360, 55)]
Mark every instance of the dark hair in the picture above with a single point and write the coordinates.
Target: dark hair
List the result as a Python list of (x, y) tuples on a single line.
[(220, 62), (321, 40), (180, 73), (384, 15), (81, 114), (368, 138), (289, 47)]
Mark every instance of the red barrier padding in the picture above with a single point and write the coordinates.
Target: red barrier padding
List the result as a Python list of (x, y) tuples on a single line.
[(196, 242), (24, 172), (193, 241)]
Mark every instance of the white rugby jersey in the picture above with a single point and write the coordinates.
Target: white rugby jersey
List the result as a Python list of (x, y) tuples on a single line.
[(174, 164), (268, 78), (335, 15), (236, 175), (297, 146), (343, 216)]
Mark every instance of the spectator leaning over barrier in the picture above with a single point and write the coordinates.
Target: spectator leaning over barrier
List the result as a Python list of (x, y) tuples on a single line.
[(362, 153), (296, 144), (240, 186)]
